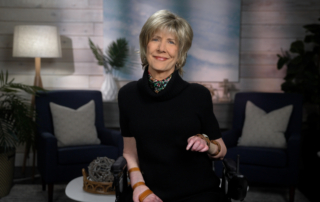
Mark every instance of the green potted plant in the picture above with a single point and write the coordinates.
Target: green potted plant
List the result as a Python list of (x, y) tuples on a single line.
[(17, 126), (114, 58), (303, 69)]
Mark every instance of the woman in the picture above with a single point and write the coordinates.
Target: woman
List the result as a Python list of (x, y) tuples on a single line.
[(166, 123)]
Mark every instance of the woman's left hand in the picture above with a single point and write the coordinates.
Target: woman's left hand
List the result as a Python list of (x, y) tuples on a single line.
[(197, 144)]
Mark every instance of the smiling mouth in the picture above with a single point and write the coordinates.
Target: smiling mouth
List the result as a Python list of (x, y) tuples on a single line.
[(160, 58)]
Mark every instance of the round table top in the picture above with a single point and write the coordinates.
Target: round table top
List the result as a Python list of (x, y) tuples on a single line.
[(75, 191)]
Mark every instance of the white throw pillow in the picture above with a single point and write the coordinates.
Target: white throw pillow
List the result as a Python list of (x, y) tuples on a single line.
[(265, 130), (74, 127)]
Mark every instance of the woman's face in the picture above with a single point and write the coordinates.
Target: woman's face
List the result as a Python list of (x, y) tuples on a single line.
[(162, 52)]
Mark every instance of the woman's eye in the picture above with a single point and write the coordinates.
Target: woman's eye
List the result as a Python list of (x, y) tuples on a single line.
[(171, 42), (155, 39)]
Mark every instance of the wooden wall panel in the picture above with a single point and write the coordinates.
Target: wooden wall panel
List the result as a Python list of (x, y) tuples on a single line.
[(76, 4), (272, 31), (280, 5), (261, 71), (44, 4), (68, 55), (50, 15), (52, 68), (258, 58), (76, 29), (51, 81), (266, 44), (276, 17), (67, 41), (98, 29)]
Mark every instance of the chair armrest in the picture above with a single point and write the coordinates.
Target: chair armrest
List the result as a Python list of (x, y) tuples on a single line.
[(111, 137), (231, 137), (293, 149), (47, 155)]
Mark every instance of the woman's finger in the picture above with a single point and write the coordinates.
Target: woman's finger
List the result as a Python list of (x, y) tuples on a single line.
[(190, 142), (196, 145), (192, 137), (150, 198), (202, 147), (206, 148)]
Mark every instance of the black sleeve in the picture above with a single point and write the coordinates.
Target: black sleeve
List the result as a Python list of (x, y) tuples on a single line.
[(209, 123), (123, 113)]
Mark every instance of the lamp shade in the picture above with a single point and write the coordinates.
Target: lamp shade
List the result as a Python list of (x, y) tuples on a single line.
[(36, 41)]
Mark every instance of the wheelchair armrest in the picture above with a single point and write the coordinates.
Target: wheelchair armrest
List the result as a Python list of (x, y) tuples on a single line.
[(234, 184), (119, 171), (229, 165), (119, 165)]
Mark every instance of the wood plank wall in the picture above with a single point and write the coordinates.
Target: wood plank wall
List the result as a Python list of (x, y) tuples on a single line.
[(266, 27)]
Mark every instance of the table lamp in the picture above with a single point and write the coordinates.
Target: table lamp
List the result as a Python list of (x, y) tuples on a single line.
[(36, 41)]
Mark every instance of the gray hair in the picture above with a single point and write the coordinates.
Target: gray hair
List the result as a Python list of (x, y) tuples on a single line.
[(165, 20)]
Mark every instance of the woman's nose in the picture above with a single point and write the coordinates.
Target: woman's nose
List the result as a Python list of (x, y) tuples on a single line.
[(162, 46)]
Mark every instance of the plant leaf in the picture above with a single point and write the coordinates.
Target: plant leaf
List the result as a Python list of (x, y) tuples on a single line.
[(297, 47), (118, 52), (282, 61), (97, 53)]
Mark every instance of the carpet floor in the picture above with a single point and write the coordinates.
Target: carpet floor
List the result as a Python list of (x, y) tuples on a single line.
[(27, 190), (34, 193)]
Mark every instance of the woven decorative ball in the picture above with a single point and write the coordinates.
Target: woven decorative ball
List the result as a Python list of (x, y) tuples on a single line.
[(100, 178), (99, 169)]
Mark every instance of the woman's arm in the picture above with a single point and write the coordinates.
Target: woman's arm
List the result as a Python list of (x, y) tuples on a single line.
[(213, 149), (131, 155), (200, 145)]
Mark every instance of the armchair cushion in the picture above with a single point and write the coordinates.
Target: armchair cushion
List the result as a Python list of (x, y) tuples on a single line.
[(265, 129), (85, 153), (74, 127), (260, 156)]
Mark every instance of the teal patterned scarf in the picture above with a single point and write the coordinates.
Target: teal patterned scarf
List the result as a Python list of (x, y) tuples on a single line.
[(157, 85)]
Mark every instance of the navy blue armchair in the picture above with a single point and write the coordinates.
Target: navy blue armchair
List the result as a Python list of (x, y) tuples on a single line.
[(62, 164), (261, 164)]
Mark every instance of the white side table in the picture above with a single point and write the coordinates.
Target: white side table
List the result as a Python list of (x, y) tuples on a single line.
[(75, 191)]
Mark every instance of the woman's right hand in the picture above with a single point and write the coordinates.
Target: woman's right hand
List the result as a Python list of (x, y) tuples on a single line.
[(150, 198)]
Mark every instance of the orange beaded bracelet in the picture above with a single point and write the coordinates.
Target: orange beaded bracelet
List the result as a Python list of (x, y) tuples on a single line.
[(133, 169), (144, 194), (137, 184)]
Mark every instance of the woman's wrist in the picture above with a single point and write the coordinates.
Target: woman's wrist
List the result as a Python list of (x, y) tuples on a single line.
[(137, 184), (212, 149), (135, 177), (215, 148), (142, 191), (205, 138)]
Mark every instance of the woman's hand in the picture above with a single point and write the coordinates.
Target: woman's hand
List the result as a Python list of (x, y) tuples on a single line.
[(139, 190), (197, 144)]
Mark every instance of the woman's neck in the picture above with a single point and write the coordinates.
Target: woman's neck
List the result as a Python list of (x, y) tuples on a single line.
[(160, 75)]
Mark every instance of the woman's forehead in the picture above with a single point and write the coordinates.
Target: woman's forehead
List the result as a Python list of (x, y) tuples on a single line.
[(169, 32)]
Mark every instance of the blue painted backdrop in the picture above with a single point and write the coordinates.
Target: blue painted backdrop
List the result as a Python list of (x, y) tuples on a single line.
[(214, 54)]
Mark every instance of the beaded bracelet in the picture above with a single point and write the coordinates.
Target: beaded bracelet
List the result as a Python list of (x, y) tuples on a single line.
[(144, 194), (137, 184), (133, 169), (204, 138)]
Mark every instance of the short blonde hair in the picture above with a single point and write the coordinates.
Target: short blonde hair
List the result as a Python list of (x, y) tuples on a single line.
[(165, 20)]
